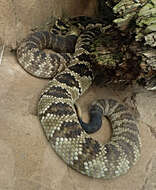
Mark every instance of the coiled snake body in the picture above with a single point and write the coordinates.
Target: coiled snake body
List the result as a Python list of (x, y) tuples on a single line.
[(57, 112)]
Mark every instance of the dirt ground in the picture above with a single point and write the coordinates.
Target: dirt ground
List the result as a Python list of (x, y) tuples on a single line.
[(27, 160)]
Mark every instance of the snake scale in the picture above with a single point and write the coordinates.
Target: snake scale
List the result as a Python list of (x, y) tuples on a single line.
[(72, 74)]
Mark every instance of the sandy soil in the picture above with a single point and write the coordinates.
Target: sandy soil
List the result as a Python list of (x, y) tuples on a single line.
[(27, 160)]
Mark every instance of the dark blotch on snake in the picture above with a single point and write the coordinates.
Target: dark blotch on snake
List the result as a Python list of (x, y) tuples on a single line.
[(82, 69), (57, 92), (69, 80)]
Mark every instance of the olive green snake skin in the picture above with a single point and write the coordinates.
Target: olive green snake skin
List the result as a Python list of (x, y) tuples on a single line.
[(72, 75)]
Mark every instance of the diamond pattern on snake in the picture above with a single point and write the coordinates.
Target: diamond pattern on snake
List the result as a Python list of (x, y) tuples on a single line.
[(71, 73)]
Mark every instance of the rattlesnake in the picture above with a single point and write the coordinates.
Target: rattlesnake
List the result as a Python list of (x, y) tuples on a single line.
[(56, 109)]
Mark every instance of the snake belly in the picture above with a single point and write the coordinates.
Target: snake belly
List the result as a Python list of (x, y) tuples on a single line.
[(73, 75), (60, 122)]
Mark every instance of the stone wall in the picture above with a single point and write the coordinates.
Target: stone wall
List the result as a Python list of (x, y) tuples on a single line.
[(19, 17)]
